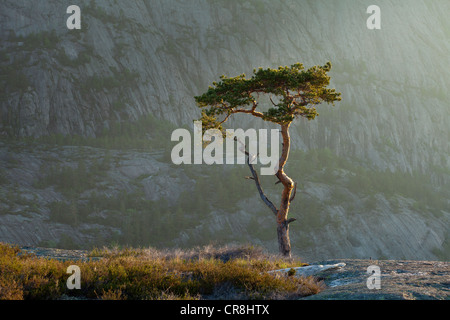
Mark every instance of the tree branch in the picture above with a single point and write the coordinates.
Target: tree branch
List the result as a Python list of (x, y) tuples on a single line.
[(294, 192), (260, 190), (258, 183), (272, 101), (290, 220), (255, 104), (225, 120), (252, 112)]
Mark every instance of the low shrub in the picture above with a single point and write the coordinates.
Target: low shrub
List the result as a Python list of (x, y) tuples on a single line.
[(141, 274)]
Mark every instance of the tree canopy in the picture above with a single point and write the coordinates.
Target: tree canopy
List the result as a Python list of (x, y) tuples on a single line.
[(298, 91)]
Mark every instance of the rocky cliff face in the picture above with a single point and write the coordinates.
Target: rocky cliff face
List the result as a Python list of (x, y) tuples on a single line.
[(151, 57), (122, 203), (145, 57)]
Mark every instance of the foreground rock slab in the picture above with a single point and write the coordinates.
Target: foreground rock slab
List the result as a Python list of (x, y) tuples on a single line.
[(310, 270), (399, 280)]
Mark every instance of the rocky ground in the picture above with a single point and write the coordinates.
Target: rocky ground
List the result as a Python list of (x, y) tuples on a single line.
[(399, 280), (59, 254)]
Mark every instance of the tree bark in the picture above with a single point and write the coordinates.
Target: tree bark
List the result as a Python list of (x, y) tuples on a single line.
[(284, 243)]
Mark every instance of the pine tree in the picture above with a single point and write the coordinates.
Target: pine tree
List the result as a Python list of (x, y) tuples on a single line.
[(297, 91)]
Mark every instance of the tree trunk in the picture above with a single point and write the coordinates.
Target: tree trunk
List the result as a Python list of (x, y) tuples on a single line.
[(288, 194), (284, 243)]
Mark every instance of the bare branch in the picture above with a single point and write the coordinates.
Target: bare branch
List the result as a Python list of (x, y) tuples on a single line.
[(258, 182), (260, 190), (290, 220), (294, 192), (270, 97)]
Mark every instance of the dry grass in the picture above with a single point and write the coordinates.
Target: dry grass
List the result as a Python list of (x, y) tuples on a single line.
[(137, 274)]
